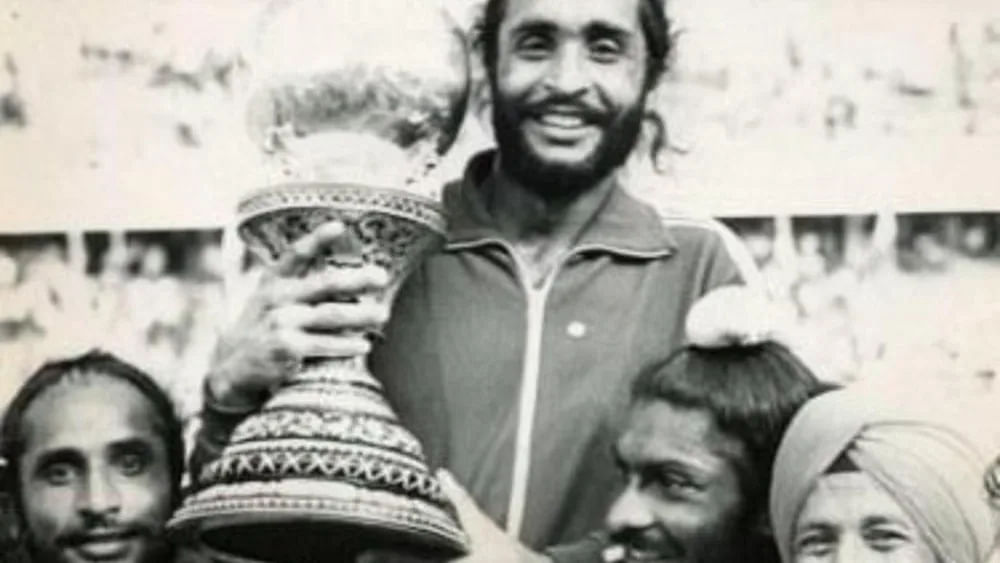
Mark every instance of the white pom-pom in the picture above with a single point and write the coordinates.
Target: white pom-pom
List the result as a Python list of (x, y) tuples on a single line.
[(732, 316)]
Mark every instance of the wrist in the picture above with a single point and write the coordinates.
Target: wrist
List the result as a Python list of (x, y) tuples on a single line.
[(221, 396)]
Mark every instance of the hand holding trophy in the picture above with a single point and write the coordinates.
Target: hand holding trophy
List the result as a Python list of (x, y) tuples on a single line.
[(348, 119)]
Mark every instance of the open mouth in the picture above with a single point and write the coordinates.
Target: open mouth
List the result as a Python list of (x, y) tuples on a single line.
[(562, 127), (562, 120), (564, 117)]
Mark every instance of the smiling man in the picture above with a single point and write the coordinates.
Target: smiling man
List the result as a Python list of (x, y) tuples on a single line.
[(696, 454), (509, 352), (569, 84), (93, 458)]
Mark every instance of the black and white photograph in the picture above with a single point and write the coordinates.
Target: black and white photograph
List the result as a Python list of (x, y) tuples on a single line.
[(499, 281)]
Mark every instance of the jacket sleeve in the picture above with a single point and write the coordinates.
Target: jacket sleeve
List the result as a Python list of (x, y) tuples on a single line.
[(217, 425), (728, 261)]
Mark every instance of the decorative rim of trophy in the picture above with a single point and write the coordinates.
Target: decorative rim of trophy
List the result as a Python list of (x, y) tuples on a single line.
[(343, 195)]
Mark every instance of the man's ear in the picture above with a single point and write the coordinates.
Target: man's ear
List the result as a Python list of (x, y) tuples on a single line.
[(11, 526)]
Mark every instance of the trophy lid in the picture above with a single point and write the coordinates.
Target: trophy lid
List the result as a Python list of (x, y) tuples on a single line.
[(369, 93)]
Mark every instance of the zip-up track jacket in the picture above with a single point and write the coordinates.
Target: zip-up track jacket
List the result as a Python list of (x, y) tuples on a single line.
[(519, 389)]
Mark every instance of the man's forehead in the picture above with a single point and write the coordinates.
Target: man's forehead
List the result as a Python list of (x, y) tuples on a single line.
[(88, 410), (854, 495), (658, 431), (574, 14)]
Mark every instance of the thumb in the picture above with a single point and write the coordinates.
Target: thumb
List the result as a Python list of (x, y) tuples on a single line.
[(459, 497)]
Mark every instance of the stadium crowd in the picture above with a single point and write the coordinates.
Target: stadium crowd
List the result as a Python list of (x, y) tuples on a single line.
[(155, 299)]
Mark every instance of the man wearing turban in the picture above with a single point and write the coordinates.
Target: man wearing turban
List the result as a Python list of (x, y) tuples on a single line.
[(860, 476)]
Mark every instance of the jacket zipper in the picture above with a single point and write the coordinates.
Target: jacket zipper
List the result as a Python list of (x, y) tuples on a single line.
[(530, 372), (527, 404)]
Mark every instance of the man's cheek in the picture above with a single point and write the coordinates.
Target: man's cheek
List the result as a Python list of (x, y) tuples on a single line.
[(47, 514), (147, 499), (690, 523)]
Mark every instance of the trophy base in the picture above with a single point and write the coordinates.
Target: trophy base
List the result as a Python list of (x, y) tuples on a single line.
[(304, 540), (301, 521), (279, 529)]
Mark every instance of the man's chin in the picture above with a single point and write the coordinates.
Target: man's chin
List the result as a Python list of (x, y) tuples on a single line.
[(555, 175), (568, 163)]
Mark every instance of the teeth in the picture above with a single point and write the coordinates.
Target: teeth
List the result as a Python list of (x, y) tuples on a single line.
[(561, 120)]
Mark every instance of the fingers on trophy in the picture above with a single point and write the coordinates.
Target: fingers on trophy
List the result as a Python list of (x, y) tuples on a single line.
[(348, 118)]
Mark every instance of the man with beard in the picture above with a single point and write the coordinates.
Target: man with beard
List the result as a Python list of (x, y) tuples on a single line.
[(93, 462), (509, 351)]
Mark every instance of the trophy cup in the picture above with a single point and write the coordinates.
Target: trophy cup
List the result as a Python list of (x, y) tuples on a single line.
[(353, 102)]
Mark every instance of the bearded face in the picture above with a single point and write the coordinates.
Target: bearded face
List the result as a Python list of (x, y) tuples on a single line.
[(568, 91)]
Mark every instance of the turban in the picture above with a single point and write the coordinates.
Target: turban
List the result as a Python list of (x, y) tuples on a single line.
[(926, 463)]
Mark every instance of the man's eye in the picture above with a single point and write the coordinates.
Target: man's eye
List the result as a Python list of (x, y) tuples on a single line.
[(814, 545), (672, 483), (534, 46), (605, 50), (132, 463), (58, 473), (885, 539)]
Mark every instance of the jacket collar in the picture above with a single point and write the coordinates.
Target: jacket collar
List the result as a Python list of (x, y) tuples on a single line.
[(622, 226)]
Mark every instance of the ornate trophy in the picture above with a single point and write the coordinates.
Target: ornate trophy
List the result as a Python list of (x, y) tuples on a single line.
[(353, 103)]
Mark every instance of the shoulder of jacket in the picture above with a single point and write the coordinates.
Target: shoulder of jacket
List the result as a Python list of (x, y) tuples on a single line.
[(710, 234), (692, 224)]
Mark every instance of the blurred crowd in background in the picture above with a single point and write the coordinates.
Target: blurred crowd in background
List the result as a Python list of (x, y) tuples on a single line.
[(155, 298), (906, 296)]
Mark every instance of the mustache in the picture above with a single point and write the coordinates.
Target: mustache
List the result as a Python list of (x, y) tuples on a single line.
[(650, 539), (73, 538)]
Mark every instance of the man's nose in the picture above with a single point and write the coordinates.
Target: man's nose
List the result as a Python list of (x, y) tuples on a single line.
[(629, 511), (100, 495), (568, 74), (851, 549)]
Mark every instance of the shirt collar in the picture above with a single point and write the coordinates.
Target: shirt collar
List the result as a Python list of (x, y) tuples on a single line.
[(623, 225)]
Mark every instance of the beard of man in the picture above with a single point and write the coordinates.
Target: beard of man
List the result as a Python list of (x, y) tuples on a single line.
[(557, 180)]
